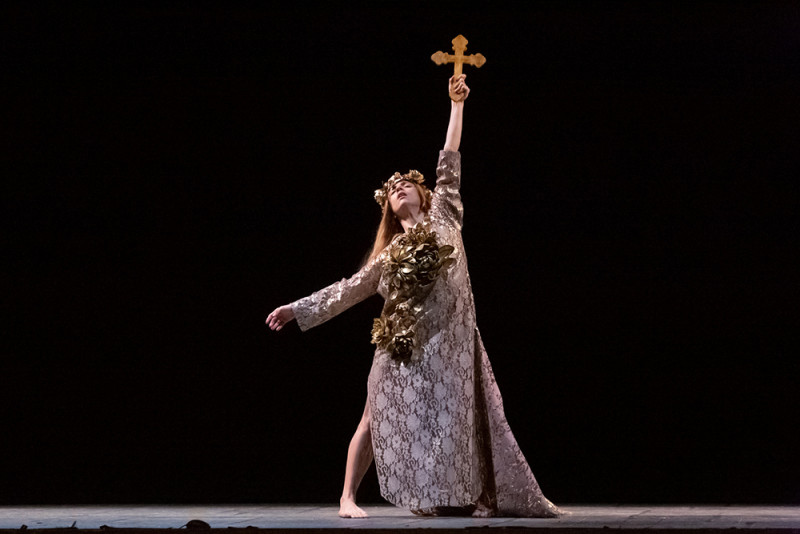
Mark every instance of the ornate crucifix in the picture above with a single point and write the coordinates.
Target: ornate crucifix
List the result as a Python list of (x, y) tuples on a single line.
[(459, 45)]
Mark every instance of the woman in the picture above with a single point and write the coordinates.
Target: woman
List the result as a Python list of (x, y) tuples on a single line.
[(434, 419)]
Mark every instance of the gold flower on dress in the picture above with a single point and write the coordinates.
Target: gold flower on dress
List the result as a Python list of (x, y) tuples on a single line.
[(381, 330), (403, 345), (414, 262)]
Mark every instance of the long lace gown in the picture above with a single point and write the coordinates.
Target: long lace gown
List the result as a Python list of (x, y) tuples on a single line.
[(439, 432)]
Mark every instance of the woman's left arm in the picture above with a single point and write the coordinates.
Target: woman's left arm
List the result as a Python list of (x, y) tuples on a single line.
[(458, 94), (446, 201)]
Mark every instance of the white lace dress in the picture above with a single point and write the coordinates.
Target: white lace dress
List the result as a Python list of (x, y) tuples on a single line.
[(439, 432)]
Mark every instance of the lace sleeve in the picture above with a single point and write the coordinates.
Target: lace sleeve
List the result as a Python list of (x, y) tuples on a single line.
[(329, 302), (446, 203)]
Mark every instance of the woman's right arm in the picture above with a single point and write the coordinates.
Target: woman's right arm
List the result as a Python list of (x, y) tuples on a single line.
[(280, 316), (328, 302)]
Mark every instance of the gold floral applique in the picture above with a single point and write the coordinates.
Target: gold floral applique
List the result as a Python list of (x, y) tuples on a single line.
[(414, 262)]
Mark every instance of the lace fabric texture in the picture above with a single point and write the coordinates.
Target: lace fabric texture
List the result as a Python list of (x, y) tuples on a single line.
[(439, 431)]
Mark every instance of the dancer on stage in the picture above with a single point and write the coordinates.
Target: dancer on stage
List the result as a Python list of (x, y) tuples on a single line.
[(434, 420)]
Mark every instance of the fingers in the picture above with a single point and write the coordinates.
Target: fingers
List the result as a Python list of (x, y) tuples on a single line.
[(458, 88), (273, 322), (458, 84), (454, 80), (280, 317)]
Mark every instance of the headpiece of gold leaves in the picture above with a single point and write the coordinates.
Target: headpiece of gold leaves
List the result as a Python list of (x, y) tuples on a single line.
[(382, 194)]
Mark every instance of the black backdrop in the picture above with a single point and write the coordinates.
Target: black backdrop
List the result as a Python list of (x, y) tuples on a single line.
[(175, 171)]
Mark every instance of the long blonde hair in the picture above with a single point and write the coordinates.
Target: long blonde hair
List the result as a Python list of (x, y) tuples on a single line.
[(390, 226)]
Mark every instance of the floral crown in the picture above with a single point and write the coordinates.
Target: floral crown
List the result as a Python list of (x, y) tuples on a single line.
[(412, 176)]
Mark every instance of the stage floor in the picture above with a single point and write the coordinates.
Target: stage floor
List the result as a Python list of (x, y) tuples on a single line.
[(383, 517)]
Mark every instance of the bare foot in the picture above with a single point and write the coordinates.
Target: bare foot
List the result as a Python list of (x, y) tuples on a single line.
[(484, 507), (483, 512), (348, 508)]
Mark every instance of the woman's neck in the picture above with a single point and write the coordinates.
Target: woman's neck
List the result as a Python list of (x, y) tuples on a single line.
[(411, 219)]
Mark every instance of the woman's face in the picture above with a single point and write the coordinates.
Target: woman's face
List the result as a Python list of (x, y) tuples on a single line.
[(404, 198)]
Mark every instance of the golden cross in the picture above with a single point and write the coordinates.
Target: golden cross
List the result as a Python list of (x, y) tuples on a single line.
[(459, 45)]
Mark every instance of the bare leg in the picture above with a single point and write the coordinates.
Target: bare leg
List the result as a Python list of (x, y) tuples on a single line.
[(359, 458)]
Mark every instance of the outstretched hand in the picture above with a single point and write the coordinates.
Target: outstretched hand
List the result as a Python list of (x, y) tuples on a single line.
[(458, 88), (279, 317)]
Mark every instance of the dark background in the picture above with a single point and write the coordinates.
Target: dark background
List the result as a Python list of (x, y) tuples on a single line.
[(174, 171)]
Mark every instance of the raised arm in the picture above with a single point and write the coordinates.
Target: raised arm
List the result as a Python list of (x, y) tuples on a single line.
[(459, 92)]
